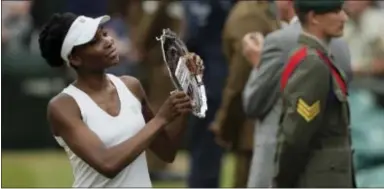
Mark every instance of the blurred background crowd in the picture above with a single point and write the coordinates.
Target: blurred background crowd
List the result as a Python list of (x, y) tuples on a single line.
[(217, 150)]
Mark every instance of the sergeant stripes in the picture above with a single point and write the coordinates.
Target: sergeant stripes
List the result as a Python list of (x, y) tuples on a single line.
[(308, 112)]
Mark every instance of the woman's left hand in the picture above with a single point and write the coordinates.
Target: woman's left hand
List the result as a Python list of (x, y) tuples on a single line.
[(194, 63)]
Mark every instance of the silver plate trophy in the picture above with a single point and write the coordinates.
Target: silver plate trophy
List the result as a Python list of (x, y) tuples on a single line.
[(184, 74)]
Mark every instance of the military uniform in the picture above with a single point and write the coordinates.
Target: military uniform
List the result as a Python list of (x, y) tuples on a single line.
[(314, 148), (154, 76), (314, 137), (245, 17)]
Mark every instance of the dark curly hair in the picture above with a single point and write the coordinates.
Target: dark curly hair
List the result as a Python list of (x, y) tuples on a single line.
[(52, 36)]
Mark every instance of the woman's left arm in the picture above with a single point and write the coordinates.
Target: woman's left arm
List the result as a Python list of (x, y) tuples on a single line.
[(166, 144)]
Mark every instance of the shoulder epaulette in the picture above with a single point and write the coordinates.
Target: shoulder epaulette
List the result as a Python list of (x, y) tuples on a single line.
[(298, 56)]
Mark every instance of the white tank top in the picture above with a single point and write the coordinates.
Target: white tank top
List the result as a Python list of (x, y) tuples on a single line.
[(112, 131)]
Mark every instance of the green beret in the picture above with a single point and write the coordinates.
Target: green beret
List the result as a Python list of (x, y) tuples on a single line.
[(318, 6)]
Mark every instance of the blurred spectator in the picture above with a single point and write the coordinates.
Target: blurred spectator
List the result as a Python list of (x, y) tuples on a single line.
[(364, 33), (15, 23), (285, 12), (230, 124), (28, 82), (42, 10), (92, 8), (156, 16), (205, 22), (380, 4), (122, 29)]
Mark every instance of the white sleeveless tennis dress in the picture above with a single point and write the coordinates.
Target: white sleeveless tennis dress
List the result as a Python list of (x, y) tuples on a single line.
[(112, 131)]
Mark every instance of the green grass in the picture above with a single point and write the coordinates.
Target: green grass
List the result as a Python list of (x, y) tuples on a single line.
[(52, 169)]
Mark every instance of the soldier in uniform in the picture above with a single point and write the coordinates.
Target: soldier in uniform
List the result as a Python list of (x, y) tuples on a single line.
[(314, 148), (154, 75), (230, 124)]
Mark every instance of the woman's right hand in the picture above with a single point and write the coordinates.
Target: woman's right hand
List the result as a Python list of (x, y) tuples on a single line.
[(178, 103)]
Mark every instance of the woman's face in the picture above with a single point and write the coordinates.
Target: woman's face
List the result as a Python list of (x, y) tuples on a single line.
[(98, 54)]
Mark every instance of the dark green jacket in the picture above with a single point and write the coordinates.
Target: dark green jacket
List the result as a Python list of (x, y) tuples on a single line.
[(314, 148)]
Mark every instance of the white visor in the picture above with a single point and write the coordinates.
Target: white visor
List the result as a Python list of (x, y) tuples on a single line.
[(82, 31)]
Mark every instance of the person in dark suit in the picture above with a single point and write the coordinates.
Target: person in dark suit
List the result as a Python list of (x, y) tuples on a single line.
[(205, 22), (230, 125)]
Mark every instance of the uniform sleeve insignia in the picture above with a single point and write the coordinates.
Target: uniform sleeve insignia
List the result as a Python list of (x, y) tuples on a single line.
[(308, 112)]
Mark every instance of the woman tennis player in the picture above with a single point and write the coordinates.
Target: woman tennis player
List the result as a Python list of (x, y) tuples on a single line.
[(104, 122)]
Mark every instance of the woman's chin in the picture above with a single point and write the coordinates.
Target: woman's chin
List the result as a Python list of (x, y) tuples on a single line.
[(115, 61)]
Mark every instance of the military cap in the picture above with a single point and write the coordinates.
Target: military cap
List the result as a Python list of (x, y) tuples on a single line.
[(318, 6)]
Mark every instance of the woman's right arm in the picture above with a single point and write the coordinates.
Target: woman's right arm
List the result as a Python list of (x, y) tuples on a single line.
[(65, 119)]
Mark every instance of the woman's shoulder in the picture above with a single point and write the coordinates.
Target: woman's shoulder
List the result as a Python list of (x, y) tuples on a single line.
[(62, 102), (134, 85), (62, 108)]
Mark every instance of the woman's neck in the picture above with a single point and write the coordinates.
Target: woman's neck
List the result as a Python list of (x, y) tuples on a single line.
[(92, 81)]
